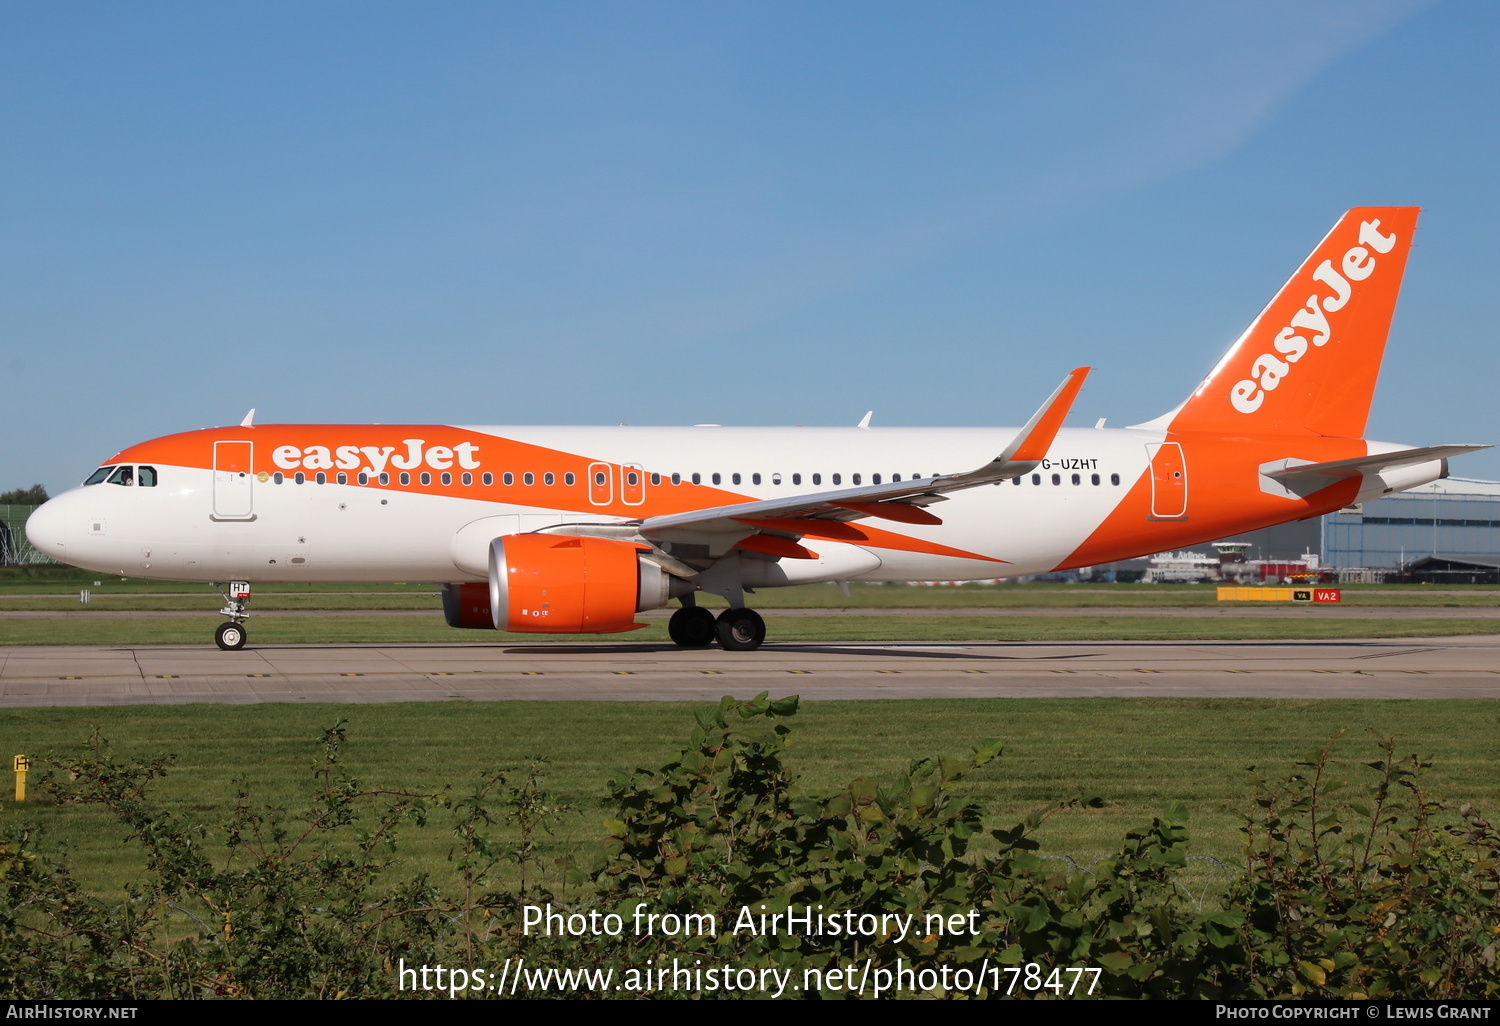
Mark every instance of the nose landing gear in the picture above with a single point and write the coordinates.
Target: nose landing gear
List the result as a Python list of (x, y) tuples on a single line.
[(231, 636)]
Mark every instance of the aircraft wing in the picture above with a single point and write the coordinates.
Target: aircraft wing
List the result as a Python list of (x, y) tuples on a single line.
[(901, 501)]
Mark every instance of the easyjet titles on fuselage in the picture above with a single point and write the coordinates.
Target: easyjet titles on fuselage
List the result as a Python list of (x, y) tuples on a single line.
[(376, 458)]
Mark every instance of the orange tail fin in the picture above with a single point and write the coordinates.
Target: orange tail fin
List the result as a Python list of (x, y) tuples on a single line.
[(1308, 363)]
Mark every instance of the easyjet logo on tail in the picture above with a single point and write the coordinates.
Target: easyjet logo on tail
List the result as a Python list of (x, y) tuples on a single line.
[(1310, 324), (1310, 327)]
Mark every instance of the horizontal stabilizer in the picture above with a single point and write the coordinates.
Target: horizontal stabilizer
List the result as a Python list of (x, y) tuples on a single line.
[(1338, 469)]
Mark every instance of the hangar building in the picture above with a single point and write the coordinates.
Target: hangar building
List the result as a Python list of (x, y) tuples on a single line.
[(1448, 526)]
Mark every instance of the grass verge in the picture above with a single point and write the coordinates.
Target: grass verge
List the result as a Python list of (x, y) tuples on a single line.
[(1138, 754)]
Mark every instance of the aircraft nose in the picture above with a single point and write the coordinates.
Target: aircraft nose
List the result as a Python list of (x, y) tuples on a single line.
[(46, 529)]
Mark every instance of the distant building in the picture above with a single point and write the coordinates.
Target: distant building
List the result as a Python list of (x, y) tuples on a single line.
[(1446, 531), (1456, 520)]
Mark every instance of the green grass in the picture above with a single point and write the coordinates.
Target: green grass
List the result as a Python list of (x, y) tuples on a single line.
[(274, 630), (1137, 754)]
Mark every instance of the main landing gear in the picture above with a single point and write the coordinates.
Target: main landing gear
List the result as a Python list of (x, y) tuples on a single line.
[(736, 630), (691, 627), (740, 630), (231, 636)]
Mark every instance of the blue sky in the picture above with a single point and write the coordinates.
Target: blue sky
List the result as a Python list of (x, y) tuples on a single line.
[(738, 213)]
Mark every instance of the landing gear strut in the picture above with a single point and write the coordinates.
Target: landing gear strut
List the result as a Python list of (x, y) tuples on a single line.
[(740, 630), (692, 627), (231, 636)]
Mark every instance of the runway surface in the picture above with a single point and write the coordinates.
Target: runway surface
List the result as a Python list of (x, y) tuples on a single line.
[(1457, 667)]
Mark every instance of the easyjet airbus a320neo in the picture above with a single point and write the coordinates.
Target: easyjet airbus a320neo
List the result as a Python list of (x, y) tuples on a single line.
[(576, 530)]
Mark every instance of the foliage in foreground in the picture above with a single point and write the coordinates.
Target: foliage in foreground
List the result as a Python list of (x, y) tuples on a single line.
[(1368, 891)]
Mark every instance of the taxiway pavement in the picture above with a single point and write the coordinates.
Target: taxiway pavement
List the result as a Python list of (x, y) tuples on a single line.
[(1466, 666)]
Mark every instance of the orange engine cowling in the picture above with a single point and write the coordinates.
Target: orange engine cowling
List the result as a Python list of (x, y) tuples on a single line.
[(569, 584)]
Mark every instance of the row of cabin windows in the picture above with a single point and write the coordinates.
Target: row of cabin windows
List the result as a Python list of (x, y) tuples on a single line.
[(796, 479), (423, 478), (600, 478), (145, 477), (632, 478), (138, 476), (1057, 479)]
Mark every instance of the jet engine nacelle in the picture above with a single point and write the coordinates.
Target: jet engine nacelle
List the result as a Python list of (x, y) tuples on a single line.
[(468, 605), (569, 584)]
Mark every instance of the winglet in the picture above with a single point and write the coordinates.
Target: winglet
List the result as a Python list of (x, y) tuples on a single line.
[(249, 420), (865, 420), (1036, 437)]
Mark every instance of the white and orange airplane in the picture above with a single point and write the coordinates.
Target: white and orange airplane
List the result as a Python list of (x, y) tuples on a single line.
[(576, 530)]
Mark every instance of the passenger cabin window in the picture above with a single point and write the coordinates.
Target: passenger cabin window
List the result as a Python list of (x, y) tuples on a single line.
[(343, 478), (468, 479), (655, 480), (817, 479), (385, 479), (1036, 479), (447, 479), (717, 478), (99, 475), (299, 477), (1114, 479), (488, 479), (363, 478), (569, 478), (1094, 478), (1077, 479), (529, 478), (405, 478), (509, 478), (697, 478), (549, 478), (838, 479), (735, 478), (426, 478), (123, 476), (320, 477), (855, 479), (279, 477), (677, 479), (796, 479), (755, 479)]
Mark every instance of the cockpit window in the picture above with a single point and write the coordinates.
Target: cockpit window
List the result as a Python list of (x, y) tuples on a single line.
[(99, 475), (145, 477), (123, 476)]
